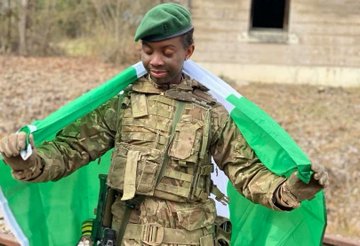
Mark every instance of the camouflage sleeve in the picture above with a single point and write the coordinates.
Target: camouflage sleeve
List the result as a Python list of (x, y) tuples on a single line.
[(77, 144), (238, 161)]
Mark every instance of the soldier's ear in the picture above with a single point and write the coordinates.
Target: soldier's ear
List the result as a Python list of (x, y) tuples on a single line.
[(189, 51)]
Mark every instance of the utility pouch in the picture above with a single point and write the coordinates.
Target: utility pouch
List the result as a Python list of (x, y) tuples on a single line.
[(207, 240)]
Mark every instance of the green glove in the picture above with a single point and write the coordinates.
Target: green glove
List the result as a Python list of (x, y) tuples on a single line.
[(291, 192)]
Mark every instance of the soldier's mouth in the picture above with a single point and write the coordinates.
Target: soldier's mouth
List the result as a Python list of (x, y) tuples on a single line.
[(158, 74)]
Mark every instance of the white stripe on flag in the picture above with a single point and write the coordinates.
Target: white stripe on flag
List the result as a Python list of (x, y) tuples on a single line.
[(218, 88), (140, 70), (10, 219)]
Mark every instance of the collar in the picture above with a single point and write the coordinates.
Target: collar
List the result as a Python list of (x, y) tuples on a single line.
[(146, 85), (187, 90)]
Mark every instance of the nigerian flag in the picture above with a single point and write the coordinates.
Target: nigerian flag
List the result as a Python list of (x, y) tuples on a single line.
[(51, 213)]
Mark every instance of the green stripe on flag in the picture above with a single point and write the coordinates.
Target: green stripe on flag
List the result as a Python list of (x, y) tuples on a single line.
[(83, 104), (256, 225), (272, 144), (51, 213)]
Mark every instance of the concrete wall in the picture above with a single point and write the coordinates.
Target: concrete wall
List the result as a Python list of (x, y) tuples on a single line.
[(321, 46)]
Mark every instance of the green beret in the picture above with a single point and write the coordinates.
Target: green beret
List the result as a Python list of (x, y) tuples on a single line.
[(164, 21)]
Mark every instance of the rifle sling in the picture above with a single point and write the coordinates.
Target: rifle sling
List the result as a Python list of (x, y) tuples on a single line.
[(130, 205)]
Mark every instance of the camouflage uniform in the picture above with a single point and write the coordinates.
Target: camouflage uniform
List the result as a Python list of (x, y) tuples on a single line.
[(163, 142)]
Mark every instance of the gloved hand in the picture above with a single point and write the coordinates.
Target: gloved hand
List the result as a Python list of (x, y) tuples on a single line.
[(290, 193), (10, 147)]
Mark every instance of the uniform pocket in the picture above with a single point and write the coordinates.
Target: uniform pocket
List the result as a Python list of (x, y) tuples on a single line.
[(117, 169), (186, 141), (200, 216), (147, 176), (147, 168)]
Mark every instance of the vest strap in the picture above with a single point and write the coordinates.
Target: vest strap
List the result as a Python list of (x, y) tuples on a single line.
[(155, 234), (130, 175)]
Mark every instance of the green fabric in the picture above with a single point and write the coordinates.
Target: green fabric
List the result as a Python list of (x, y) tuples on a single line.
[(51, 213), (272, 144), (255, 224), (164, 21), (82, 105)]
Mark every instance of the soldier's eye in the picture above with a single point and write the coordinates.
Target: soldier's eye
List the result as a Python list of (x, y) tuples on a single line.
[(169, 52), (147, 50)]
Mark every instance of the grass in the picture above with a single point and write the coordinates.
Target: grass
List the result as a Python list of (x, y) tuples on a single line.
[(77, 47)]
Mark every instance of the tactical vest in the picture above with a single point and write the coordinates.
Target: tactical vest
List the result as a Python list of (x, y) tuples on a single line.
[(161, 148)]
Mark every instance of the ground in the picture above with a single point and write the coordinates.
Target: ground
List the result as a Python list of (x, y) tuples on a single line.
[(324, 121)]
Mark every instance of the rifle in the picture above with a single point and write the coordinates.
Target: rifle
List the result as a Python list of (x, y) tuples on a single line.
[(102, 234)]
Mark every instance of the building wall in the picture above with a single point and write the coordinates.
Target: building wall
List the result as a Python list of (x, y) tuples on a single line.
[(322, 45)]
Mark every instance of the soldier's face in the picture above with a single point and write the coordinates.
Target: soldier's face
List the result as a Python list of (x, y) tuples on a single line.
[(164, 59)]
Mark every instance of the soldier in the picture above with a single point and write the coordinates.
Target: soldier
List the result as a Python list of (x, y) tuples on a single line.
[(164, 130)]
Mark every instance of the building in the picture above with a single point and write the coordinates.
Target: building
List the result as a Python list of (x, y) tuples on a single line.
[(281, 41)]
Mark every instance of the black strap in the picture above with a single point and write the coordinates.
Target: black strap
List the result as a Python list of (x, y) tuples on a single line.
[(129, 206)]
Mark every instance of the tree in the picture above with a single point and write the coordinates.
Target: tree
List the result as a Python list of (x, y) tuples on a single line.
[(23, 19)]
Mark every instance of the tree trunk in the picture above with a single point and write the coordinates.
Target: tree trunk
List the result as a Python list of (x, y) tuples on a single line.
[(8, 42), (22, 27)]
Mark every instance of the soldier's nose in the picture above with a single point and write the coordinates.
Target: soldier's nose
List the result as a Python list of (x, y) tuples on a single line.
[(156, 60)]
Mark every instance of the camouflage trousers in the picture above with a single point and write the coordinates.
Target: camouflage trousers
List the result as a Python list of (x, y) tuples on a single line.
[(161, 222)]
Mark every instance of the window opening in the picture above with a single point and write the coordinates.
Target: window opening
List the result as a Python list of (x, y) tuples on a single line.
[(269, 14)]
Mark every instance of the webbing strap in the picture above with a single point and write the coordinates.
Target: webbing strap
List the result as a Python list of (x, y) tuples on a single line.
[(154, 234), (172, 189), (171, 173), (130, 174), (219, 196), (123, 226), (206, 135), (205, 170), (178, 112), (129, 206)]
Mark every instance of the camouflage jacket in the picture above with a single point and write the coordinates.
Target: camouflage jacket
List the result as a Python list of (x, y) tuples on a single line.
[(163, 141)]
